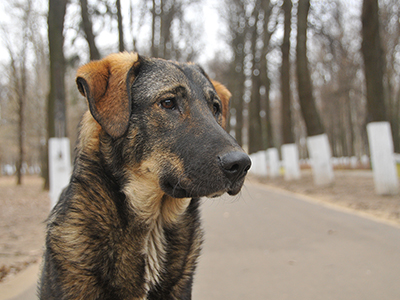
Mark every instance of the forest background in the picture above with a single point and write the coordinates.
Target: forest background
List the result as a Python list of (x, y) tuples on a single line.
[(241, 43)]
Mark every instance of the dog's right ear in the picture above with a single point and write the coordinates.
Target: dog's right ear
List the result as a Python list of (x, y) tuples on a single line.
[(105, 85), (225, 96)]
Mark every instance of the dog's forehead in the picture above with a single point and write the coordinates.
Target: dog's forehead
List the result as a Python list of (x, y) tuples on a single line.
[(166, 72)]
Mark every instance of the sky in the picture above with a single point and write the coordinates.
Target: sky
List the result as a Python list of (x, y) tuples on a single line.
[(208, 17)]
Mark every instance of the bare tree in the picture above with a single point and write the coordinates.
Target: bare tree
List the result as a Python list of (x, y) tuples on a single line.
[(166, 40), (373, 61), (260, 128), (236, 18), (255, 128), (18, 76), (286, 115), (390, 39), (121, 44), (306, 97), (56, 109), (88, 30)]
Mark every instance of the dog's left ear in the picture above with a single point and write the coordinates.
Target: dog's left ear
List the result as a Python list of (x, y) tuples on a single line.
[(105, 84), (225, 97)]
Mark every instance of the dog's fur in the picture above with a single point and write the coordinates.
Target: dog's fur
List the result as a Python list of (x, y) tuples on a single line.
[(151, 144)]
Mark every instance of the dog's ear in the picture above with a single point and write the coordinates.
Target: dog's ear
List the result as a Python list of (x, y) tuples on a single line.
[(225, 97), (105, 84)]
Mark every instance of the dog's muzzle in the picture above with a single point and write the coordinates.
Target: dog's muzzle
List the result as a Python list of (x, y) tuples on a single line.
[(228, 177)]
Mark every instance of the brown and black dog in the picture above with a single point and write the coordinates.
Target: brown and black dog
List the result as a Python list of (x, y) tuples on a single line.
[(151, 144)]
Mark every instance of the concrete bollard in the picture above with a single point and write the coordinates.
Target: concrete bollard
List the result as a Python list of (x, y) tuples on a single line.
[(258, 163), (290, 158), (59, 167), (353, 162), (382, 158), (273, 162), (255, 164), (263, 163), (320, 155)]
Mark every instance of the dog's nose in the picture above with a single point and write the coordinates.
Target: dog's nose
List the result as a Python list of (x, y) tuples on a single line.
[(235, 164)]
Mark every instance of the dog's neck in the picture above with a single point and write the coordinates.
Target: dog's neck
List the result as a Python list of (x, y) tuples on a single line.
[(158, 211)]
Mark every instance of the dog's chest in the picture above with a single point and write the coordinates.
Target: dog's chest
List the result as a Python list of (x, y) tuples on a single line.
[(155, 254)]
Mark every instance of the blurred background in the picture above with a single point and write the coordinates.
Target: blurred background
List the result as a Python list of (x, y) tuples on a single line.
[(252, 46)]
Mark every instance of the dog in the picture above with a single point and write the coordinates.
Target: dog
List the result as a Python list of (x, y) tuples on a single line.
[(151, 144)]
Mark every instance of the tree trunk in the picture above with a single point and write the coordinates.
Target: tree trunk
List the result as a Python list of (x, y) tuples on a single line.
[(255, 133), (167, 16), (396, 124), (236, 85), (20, 140), (236, 77), (56, 109), (87, 28), (268, 136), (373, 60), (307, 102), (153, 29), (286, 115), (121, 46), (19, 74), (317, 142), (131, 26), (21, 128), (266, 82)]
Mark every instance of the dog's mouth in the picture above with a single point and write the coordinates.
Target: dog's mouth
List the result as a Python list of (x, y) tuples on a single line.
[(176, 189)]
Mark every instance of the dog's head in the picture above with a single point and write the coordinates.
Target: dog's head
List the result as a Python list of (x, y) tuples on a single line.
[(164, 121)]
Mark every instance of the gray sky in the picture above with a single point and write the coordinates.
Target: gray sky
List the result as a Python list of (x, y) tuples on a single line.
[(208, 16)]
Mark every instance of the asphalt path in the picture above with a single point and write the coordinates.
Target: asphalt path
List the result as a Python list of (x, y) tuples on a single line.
[(273, 245), (268, 244)]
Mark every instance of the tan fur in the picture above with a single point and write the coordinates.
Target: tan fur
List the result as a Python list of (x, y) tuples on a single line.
[(225, 97), (89, 135), (104, 84), (156, 209)]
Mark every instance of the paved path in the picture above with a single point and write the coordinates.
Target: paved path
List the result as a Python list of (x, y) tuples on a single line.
[(270, 245)]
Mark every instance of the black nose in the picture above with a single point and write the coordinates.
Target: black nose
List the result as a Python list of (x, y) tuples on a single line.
[(235, 164)]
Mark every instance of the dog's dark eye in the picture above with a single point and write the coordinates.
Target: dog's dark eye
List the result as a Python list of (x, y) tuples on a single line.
[(168, 104), (216, 108)]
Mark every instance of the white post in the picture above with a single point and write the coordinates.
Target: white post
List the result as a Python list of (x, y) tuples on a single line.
[(382, 158), (263, 163), (273, 162), (258, 163), (320, 155), (353, 162), (290, 158), (59, 167), (255, 164)]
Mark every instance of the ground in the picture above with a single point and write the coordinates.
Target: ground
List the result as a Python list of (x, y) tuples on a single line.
[(25, 208), (23, 211), (352, 189)]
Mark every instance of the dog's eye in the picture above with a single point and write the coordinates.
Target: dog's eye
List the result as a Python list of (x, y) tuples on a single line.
[(216, 108), (168, 104)]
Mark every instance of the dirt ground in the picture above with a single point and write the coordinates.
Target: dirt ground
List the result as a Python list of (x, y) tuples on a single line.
[(24, 209)]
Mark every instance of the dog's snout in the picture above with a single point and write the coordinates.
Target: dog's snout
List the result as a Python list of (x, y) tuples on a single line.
[(235, 164)]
